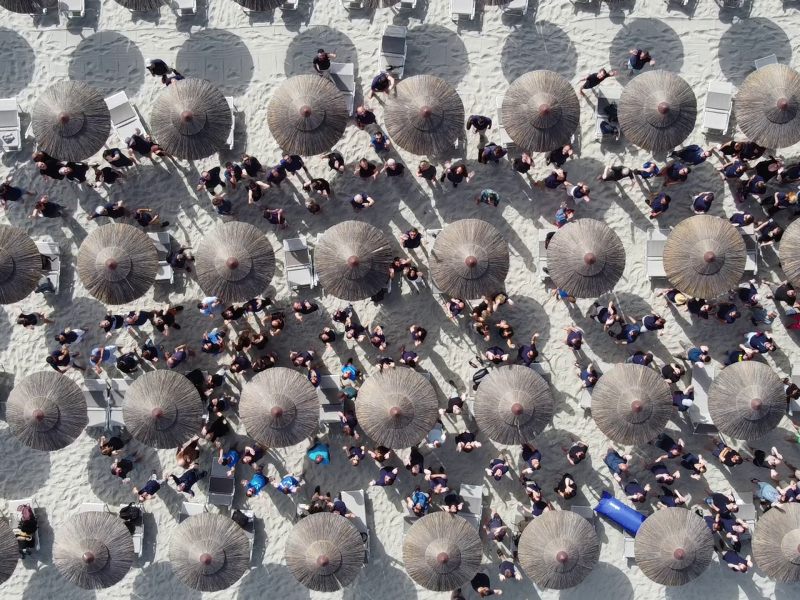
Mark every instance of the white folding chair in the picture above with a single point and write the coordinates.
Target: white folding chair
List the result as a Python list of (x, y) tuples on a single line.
[(394, 47), (515, 7), (298, 264), (10, 128), (184, 8), (72, 9), (767, 60), (163, 244), (93, 507), (472, 495), (656, 239), (190, 509), (124, 118), (505, 139), (356, 503), (343, 77), (229, 142), (462, 10), (719, 104), (541, 260), (51, 250)]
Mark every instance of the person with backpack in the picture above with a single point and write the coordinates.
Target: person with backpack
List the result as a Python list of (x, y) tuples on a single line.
[(129, 515)]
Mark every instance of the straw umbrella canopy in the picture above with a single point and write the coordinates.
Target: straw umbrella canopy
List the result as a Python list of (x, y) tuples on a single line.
[(469, 259), (789, 251), (46, 411), (746, 400), (279, 408), (191, 119), (93, 550), (260, 5), (585, 258), (442, 551), (307, 115), (9, 552), (325, 552), (70, 121), (541, 111), (162, 409), (425, 116), (657, 111), (235, 262), (352, 260), (209, 552), (513, 405), (28, 7), (631, 404), (776, 542), (20, 265), (141, 5), (397, 408), (704, 256), (674, 546), (768, 106), (558, 549), (117, 263)]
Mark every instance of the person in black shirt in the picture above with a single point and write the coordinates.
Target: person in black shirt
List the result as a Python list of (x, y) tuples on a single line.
[(522, 164), (322, 61), (321, 186), (393, 169), (146, 218), (31, 319), (364, 117), (479, 123), (164, 320), (426, 171), (157, 67), (594, 80), (251, 166), (559, 156), (335, 161), (209, 180)]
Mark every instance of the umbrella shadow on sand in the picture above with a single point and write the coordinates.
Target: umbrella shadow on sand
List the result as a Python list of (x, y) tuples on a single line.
[(274, 577), (31, 468), (16, 72), (157, 577), (109, 62), (384, 575), (605, 582), (438, 51), (736, 55), (231, 69), (108, 487), (654, 35), (48, 583), (537, 46)]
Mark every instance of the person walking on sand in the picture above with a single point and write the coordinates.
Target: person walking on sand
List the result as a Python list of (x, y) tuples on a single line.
[(322, 62), (478, 124), (364, 117), (383, 83), (157, 67), (276, 176), (149, 490), (577, 192), (491, 152), (361, 201), (648, 171), (674, 174), (293, 163), (574, 337), (30, 320), (335, 161), (185, 482), (593, 80), (456, 173), (559, 156), (380, 143), (638, 60), (522, 164), (210, 180)]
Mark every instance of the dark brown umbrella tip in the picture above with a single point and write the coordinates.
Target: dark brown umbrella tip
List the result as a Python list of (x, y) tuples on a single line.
[(756, 403), (637, 406), (663, 108), (562, 557), (709, 257), (187, 116), (471, 262), (679, 554), (353, 261), (232, 263), (783, 104), (38, 414), (157, 413), (443, 558), (544, 110), (276, 412), (63, 118), (517, 409), (396, 412), (206, 558), (112, 263), (305, 111), (323, 561), (590, 258), (425, 112), (88, 557)]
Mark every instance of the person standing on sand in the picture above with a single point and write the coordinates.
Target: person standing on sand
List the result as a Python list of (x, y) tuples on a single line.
[(322, 62), (638, 60), (157, 67), (382, 84), (478, 124), (149, 490), (595, 79)]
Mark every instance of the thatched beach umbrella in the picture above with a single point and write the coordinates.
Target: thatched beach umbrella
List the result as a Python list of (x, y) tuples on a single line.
[(789, 251), (141, 5), (513, 405), (442, 551), (9, 552), (209, 552), (776, 542), (260, 5), (469, 259), (235, 261), (585, 258), (70, 121), (397, 408), (279, 407), (46, 411), (674, 546), (93, 550), (117, 263), (352, 260), (541, 111), (191, 119), (20, 265), (307, 115), (29, 7), (558, 549), (426, 116), (704, 256), (768, 106), (746, 400), (325, 552), (162, 409), (657, 111), (631, 404)]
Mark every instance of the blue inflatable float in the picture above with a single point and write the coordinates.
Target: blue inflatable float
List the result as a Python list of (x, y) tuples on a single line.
[(622, 514)]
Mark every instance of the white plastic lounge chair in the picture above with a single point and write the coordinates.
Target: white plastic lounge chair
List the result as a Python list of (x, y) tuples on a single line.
[(656, 238), (250, 529), (124, 118), (138, 529), (747, 513), (117, 390), (795, 378), (767, 60), (163, 244), (290, 5), (343, 77), (190, 509), (10, 128), (541, 261), (357, 504), (51, 250), (462, 10), (299, 264), (220, 486), (96, 394), (72, 9), (751, 243), (229, 143), (93, 507), (505, 139), (719, 103), (14, 515), (605, 97), (184, 8), (394, 47), (515, 7), (329, 404), (702, 378), (352, 4), (472, 495), (407, 5), (628, 546)]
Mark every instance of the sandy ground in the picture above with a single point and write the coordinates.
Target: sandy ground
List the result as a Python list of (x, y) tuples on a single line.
[(248, 59)]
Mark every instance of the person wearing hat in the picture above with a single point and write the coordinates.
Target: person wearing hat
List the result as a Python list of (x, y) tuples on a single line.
[(322, 61), (157, 67), (393, 169)]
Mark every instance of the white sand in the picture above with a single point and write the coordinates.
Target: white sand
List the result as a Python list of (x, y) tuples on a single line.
[(249, 60)]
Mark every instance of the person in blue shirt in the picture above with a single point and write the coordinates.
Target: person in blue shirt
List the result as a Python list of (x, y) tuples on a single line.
[(755, 186), (732, 170), (648, 170), (564, 215), (675, 173), (665, 442), (276, 176), (385, 478), (779, 201), (349, 372), (104, 354), (383, 83), (489, 197), (185, 482), (213, 342), (574, 337), (638, 60), (149, 490), (256, 484), (498, 467), (210, 305), (364, 117), (286, 486), (380, 143), (702, 203), (209, 180), (628, 335), (760, 341), (659, 205), (640, 357), (319, 452), (617, 463), (740, 354), (491, 152), (588, 375), (229, 459), (361, 201), (293, 163), (507, 571), (698, 356), (694, 154), (478, 123), (355, 454), (233, 174), (670, 498), (741, 219), (527, 353), (751, 150), (418, 502)]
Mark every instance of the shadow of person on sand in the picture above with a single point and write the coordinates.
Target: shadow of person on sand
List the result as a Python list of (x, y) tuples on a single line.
[(537, 46), (383, 575), (736, 56)]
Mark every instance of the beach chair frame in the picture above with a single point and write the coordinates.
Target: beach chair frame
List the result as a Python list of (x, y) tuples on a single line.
[(394, 49), (654, 252), (343, 77), (462, 10), (718, 107), (699, 417), (298, 260), (10, 127), (356, 502), (52, 250)]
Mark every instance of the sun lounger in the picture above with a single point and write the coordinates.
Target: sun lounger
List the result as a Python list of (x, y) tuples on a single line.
[(795, 378), (220, 486), (95, 391), (472, 495), (505, 139), (352, 4), (72, 9), (394, 46), (51, 250), (747, 513), (605, 98), (462, 10), (116, 400), (329, 404), (751, 243), (521, 521), (138, 529), (124, 117), (702, 378), (10, 128), (343, 77), (250, 528), (190, 509), (299, 264), (357, 504), (586, 512), (515, 7), (407, 5), (719, 103), (656, 238), (163, 244), (541, 260), (93, 507), (184, 8), (289, 5), (14, 515), (767, 60), (628, 546)]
